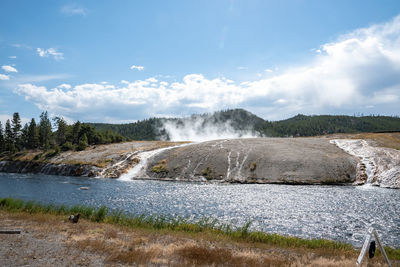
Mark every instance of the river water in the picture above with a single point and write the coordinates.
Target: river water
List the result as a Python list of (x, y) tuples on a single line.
[(341, 213)]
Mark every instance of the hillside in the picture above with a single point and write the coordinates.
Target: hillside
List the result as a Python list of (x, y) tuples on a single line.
[(302, 125), (242, 121)]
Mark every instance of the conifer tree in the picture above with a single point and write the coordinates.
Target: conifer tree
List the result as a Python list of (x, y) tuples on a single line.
[(24, 137), (61, 133), (16, 130), (45, 133), (76, 129), (1, 138), (83, 142), (9, 138), (33, 136)]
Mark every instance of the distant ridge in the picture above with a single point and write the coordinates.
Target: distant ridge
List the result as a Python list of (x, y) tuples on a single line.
[(243, 120)]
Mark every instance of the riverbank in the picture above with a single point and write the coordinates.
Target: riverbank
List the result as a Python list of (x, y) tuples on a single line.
[(100, 239), (306, 160), (108, 161)]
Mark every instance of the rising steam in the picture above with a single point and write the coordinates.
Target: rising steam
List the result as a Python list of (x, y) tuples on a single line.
[(199, 129)]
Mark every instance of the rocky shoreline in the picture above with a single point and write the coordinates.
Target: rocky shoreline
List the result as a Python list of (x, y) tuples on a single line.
[(49, 168), (297, 161)]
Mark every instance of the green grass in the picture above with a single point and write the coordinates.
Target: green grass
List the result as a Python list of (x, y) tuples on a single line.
[(161, 167), (241, 233)]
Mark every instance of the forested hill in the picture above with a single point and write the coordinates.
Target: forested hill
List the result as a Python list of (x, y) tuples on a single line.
[(302, 125), (239, 120)]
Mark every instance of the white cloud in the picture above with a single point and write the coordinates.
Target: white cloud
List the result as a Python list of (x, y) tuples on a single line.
[(64, 86), (22, 46), (241, 68), (152, 80), (12, 57), (360, 70), (50, 52), (7, 68), (5, 117), (39, 78), (139, 68), (74, 9), (4, 77)]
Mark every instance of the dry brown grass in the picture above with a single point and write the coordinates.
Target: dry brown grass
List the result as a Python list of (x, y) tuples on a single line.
[(117, 245), (195, 255)]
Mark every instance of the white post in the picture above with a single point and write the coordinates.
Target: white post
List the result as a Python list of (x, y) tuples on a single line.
[(382, 249), (371, 231), (365, 247)]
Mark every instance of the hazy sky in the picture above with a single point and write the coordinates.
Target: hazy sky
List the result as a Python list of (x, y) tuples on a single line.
[(120, 61)]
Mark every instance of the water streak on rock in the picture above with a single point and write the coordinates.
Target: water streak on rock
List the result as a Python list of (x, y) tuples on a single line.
[(378, 166)]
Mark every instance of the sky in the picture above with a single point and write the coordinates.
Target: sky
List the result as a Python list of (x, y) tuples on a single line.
[(123, 61)]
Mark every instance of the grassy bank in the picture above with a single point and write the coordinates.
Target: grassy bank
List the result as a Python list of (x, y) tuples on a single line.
[(165, 224)]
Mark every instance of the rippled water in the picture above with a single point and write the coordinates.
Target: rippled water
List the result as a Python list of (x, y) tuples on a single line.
[(334, 212)]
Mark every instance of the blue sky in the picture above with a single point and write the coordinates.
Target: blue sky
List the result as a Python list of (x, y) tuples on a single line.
[(121, 61)]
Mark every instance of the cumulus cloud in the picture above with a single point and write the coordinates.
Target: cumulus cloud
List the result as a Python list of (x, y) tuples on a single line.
[(4, 77), (50, 52), (358, 72), (64, 86), (74, 9), (135, 67), (7, 68), (5, 117)]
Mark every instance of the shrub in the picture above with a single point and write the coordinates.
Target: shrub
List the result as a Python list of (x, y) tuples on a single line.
[(207, 173), (253, 167), (81, 146), (67, 146), (161, 167)]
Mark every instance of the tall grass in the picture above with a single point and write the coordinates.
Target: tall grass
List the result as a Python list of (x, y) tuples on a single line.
[(118, 217)]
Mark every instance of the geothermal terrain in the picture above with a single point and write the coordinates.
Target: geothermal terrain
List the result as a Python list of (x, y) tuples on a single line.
[(256, 160), (338, 159)]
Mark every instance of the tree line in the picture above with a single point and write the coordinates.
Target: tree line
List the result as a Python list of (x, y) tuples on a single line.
[(240, 119), (302, 125), (15, 137)]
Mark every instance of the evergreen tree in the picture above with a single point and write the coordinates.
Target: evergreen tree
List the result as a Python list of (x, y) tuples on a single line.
[(45, 133), (76, 130), (24, 137), (61, 133), (1, 138), (9, 138), (33, 135), (16, 130), (83, 142)]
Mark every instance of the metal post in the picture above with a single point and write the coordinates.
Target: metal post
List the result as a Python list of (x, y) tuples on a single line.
[(365, 247), (371, 232), (382, 249)]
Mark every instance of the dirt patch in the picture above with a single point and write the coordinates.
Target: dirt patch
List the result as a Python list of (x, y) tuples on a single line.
[(48, 240)]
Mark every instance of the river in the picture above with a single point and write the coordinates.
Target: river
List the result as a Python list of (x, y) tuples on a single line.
[(341, 213)]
